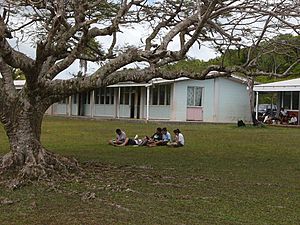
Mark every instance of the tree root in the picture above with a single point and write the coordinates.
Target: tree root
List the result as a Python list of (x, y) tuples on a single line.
[(17, 170)]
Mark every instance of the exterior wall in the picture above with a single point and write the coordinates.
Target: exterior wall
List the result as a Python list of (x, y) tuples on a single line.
[(104, 110), (194, 113), (179, 99), (158, 112), (87, 109), (74, 108), (233, 101), (209, 103), (49, 111), (124, 111), (143, 103), (223, 100), (60, 109)]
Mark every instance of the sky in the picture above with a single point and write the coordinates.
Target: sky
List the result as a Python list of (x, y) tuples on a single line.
[(128, 36), (134, 36)]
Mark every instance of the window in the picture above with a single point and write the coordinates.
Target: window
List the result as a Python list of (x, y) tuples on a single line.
[(107, 95), (190, 96), (86, 98), (168, 94), (104, 96), (295, 99), (194, 96), (64, 101), (112, 96), (160, 95), (74, 99), (97, 96), (154, 96), (124, 96), (290, 100), (286, 98)]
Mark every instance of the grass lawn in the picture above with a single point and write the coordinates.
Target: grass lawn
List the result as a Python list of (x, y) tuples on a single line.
[(224, 175)]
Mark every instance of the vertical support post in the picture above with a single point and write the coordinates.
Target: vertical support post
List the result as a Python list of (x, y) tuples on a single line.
[(119, 98), (70, 106), (291, 102), (115, 102), (256, 111), (299, 109), (92, 103), (148, 103), (77, 104)]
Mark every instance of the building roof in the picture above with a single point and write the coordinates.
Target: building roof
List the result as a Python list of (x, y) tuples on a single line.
[(286, 85), (164, 81), (20, 83), (147, 84)]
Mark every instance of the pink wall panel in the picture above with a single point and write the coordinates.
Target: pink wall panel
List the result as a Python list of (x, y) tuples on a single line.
[(194, 113)]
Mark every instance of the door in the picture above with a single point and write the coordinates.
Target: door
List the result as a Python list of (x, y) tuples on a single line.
[(135, 101), (194, 113), (132, 104), (194, 103)]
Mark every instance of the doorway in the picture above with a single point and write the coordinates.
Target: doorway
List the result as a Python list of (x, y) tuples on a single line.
[(135, 101), (132, 100)]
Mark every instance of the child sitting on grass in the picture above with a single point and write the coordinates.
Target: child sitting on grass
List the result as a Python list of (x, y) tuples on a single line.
[(120, 138), (179, 139)]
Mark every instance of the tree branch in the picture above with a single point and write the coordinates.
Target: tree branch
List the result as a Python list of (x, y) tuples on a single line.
[(12, 57), (8, 83), (80, 84), (161, 25)]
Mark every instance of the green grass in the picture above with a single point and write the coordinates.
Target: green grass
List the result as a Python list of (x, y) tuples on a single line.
[(224, 175)]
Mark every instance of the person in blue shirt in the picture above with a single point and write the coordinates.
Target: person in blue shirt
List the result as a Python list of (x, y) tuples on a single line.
[(166, 138)]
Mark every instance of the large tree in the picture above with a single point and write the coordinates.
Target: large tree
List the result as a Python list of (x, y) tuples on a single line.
[(63, 31)]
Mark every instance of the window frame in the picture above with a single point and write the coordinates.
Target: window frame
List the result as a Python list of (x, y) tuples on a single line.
[(156, 94), (290, 98), (194, 88)]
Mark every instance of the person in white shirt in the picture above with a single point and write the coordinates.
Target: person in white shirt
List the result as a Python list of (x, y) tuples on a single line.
[(120, 138), (293, 120), (179, 139), (283, 116)]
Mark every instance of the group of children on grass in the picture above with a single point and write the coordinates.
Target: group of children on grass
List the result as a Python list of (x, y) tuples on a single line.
[(161, 137)]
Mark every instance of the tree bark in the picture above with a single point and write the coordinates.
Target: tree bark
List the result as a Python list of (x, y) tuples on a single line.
[(250, 84), (27, 158)]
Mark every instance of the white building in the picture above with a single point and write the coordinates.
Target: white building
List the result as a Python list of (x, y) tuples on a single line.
[(183, 99), (288, 93)]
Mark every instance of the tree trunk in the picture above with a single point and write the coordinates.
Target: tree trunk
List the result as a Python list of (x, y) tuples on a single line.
[(250, 84), (27, 158)]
